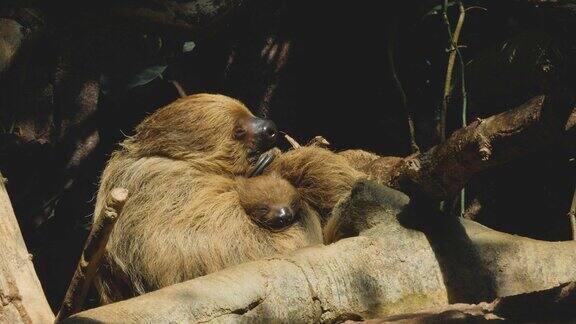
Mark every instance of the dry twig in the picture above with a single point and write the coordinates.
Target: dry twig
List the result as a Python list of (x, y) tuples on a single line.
[(92, 253), (572, 215), (181, 92), (403, 99), (453, 37), (292, 141)]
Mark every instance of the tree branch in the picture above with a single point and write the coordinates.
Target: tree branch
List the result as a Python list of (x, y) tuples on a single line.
[(556, 303), (572, 215), (21, 297), (92, 253), (443, 170), (454, 50), (389, 269), (393, 30)]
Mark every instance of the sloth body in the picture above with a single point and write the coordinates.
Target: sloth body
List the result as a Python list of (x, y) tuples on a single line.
[(191, 211)]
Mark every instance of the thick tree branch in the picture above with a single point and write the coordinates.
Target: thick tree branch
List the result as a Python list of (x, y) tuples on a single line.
[(540, 306), (389, 269), (21, 297), (443, 170)]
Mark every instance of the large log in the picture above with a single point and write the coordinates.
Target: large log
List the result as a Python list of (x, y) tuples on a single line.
[(391, 268), (21, 297)]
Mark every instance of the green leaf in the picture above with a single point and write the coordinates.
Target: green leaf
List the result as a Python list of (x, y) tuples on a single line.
[(188, 46), (145, 76), (439, 8)]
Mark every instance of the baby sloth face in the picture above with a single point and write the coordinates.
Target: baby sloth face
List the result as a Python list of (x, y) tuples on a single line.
[(270, 201)]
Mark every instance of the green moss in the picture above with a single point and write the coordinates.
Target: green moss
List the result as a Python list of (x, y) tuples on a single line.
[(411, 303)]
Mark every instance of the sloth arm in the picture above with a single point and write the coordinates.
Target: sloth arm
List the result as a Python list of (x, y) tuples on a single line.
[(169, 222), (321, 176)]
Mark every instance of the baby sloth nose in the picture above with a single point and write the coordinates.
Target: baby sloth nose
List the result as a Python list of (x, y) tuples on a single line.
[(281, 218), (265, 131)]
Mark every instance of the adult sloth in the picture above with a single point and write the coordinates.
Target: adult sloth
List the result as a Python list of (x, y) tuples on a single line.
[(192, 212)]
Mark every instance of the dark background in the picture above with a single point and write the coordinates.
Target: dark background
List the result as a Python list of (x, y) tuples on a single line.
[(82, 79)]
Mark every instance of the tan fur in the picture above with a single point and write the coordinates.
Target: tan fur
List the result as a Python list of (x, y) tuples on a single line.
[(321, 176), (359, 159), (197, 129), (184, 217)]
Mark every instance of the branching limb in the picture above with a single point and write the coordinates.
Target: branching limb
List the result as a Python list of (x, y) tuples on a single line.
[(443, 170)]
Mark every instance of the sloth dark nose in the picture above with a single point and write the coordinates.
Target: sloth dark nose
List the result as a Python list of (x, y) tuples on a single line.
[(281, 218), (266, 132)]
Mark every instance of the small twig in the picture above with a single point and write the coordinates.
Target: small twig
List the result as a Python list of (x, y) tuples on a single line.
[(454, 51), (179, 88), (450, 67), (476, 7), (403, 101), (292, 141), (464, 95), (92, 253), (572, 215)]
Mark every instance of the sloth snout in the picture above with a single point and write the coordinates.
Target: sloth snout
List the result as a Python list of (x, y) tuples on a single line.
[(281, 218)]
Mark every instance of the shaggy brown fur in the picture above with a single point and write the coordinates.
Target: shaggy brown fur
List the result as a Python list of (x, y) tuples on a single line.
[(322, 177), (198, 129), (273, 203), (359, 159), (191, 211), (185, 216)]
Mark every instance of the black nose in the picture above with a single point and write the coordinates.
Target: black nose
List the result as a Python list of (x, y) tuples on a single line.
[(281, 218), (266, 132)]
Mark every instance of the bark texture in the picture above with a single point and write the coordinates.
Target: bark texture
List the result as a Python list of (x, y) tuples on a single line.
[(21, 297), (92, 254), (398, 266), (444, 169), (550, 305)]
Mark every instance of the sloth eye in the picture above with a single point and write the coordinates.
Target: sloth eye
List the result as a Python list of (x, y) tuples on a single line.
[(239, 133), (261, 210)]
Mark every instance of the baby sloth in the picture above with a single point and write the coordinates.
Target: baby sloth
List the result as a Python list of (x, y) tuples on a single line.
[(239, 220), (191, 211), (273, 203)]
